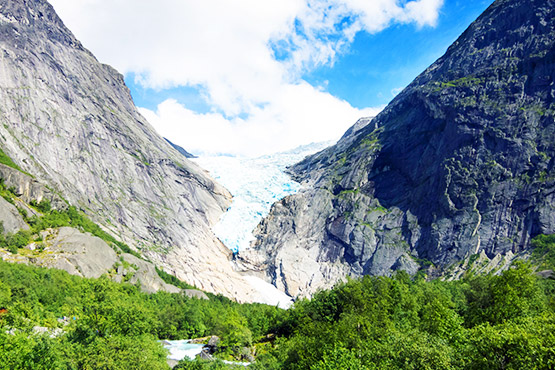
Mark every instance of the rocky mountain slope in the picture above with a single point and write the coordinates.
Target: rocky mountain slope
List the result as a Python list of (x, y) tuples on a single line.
[(460, 163), (65, 248), (70, 122)]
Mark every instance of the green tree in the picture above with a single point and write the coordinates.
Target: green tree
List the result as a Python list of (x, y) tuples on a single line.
[(340, 359), (523, 344), (496, 299), (123, 352), (5, 294)]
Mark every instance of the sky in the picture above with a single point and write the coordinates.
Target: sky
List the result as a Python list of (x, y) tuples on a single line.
[(254, 77)]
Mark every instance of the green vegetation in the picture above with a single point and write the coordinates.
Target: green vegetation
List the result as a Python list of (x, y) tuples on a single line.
[(347, 192), (493, 322), (7, 193), (170, 279), (141, 158), (467, 81), (43, 206), (204, 365), (543, 253), (4, 159), (13, 242), (109, 325)]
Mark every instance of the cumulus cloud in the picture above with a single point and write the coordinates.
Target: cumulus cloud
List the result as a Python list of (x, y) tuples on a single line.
[(248, 56), (326, 28), (298, 115)]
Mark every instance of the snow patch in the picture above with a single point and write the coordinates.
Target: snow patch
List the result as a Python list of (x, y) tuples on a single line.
[(268, 293)]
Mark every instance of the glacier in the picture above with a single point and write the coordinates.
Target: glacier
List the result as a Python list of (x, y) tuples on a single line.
[(255, 183)]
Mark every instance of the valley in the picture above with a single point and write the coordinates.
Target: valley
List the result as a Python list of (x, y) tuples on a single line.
[(422, 239)]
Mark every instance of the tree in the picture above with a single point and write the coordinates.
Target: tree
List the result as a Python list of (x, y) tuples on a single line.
[(522, 344), (120, 352), (340, 359)]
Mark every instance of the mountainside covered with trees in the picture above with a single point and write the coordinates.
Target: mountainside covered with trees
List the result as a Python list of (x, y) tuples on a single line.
[(478, 322)]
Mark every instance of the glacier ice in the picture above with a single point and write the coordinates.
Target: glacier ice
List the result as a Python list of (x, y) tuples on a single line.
[(255, 183)]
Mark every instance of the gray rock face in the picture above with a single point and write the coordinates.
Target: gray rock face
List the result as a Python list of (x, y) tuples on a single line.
[(180, 149), (85, 255), (10, 218), (70, 121), (78, 253), (460, 163), (481, 264), (145, 273), (193, 293), (29, 189)]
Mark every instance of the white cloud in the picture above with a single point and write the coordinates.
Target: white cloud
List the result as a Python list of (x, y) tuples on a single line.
[(396, 91), (299, 114), (228, 48)]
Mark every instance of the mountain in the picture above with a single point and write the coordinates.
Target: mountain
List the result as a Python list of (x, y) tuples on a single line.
[(460, 163), (70, 123)]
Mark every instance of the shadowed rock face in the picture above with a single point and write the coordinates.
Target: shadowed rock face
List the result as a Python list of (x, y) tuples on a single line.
[(461, 162), (70, 121), (10, 219)]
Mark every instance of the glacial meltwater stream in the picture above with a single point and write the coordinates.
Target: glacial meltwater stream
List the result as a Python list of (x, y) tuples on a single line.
[(179, 349)]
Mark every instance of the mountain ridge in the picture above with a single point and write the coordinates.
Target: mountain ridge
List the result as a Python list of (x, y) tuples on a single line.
[(70, 122), (460, 162)]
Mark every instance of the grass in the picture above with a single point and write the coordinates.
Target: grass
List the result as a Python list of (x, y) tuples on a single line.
[(172, 280), (5, 159)]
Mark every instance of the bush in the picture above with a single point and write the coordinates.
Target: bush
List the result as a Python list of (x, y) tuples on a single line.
[(544, 251), (13, 242), (43, 206)]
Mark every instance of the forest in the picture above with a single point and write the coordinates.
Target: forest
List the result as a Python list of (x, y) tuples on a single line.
[(503, 321)]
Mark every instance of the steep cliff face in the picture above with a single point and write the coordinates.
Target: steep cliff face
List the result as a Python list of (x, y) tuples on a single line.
[(70, 122), (460, 163)]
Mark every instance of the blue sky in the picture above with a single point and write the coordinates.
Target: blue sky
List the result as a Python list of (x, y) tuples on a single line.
[(191, 96), (252, 77), (378, 64)]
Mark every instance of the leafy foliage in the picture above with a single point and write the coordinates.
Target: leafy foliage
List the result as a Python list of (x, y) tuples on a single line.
[(170, 279), (544, 251), (493, 322), (504, 321), (14, 241), (109, 325)]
